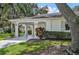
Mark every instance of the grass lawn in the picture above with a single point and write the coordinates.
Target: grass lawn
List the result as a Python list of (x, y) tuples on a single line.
[(4, 35), (7, 35), (31, 46)]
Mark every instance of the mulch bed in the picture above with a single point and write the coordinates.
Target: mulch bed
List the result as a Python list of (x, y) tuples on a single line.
[(51, 50)]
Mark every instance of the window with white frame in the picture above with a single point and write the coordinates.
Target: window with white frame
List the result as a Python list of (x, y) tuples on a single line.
[(67, 27)]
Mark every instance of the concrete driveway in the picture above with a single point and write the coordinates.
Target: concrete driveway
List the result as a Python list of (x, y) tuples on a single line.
[(11, 41)]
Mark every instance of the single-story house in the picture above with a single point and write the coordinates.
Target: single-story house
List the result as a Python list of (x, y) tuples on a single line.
[(51, 22)]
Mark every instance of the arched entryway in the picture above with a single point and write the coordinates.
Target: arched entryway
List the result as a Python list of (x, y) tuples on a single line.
[(27, 28), (21, 31)]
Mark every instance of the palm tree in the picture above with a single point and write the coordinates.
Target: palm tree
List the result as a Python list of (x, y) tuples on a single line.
[(15, 10), (73, 22), (43, 10)]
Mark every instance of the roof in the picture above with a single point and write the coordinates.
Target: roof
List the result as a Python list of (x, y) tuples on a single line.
[(48, 15), (51, 15)]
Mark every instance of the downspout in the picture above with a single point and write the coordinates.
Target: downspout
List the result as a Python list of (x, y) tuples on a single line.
[(51, 24)]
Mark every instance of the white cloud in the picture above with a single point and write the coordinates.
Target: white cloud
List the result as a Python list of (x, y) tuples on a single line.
[(52, 10), (55, 10), (41, 6)]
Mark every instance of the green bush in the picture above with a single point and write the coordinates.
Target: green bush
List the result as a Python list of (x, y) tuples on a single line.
[(2, 51), (58, 34), (7, 30), (29, 32)]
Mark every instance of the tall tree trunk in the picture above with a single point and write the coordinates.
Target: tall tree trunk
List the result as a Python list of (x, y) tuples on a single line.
[(73, 23)]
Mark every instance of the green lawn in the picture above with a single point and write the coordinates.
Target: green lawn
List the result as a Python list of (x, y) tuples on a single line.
[(30, 47), (7, 35), (4, 35)]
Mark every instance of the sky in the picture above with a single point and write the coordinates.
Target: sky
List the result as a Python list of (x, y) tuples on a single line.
[(52, 7)]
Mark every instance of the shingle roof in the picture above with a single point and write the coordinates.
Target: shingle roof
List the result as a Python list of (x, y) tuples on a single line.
[(52, 15), (48, 15)]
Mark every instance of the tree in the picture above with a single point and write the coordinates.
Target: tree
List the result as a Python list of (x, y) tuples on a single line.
[(3, 15), (43, 10), (14, 10), (17, 10), (73, 22)]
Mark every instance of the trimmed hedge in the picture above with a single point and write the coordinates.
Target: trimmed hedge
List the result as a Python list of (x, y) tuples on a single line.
[(57, 35)]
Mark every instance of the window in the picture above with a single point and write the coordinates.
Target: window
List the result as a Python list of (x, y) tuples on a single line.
[(67, 27)]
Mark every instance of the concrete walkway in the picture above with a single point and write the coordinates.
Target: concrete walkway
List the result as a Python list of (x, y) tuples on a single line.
[(11, 41)]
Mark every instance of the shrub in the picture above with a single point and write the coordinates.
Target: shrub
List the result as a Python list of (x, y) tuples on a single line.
[(7, 30), (55, 34), (29, 32), (40, 32), (12, 34), (2, 51)]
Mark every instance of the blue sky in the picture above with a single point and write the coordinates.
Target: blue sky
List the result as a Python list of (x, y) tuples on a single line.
[(52, 7)]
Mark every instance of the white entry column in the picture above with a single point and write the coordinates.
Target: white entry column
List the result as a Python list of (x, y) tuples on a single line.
[(16, 30), (12, 29), (35, 26), (25, 30)]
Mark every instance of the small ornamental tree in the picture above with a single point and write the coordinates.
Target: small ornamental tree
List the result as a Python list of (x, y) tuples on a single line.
[(40, 32)]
